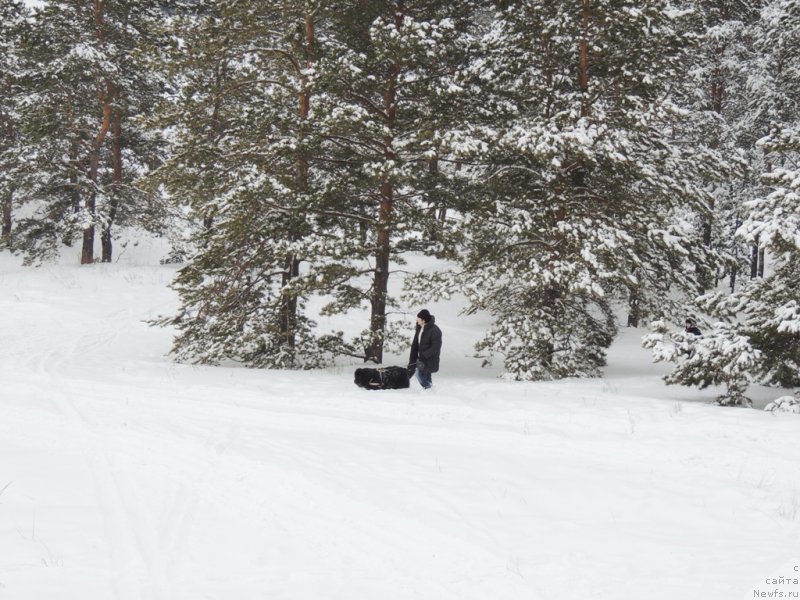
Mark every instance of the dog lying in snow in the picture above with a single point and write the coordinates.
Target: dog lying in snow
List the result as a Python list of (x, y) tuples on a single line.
[(388, 378)]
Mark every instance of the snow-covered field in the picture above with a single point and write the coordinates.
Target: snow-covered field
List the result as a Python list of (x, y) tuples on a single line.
[(124, 475)]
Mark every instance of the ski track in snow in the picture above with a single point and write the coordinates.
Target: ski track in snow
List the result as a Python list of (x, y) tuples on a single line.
[(133, 478)]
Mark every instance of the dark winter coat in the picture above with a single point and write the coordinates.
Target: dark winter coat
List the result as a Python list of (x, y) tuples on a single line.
[(426, 347)]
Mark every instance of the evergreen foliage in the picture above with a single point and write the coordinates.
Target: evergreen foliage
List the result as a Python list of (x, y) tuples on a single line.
[(569, 159), (244, 144), (331, 195), (83, 83), (589, 187), (723, 357), (721, 86), (757, 338), (770, 307), (12, 23), (389, 100)]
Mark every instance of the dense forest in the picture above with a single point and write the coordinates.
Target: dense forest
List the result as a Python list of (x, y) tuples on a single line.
[(564, 160)]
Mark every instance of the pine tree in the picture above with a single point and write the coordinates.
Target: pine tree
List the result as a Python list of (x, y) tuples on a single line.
[(388, 104), (723, 357), (592, 183), (756, 333), (306, 141), (134, 35), (12, 20), (84, 84), (726, 29), (244, 161)]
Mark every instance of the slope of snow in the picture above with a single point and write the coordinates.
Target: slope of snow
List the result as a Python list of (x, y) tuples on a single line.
[(126, 476)]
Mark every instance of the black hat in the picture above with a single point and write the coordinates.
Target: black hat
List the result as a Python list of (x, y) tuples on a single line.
[(424, 315)]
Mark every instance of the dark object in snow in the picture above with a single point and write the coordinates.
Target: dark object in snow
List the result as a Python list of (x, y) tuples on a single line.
[(691, 327), (388, 378)]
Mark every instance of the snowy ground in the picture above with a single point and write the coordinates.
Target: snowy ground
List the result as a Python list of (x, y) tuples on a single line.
[(124, 475)]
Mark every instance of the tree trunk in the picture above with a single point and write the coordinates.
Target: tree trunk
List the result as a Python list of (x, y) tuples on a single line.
[(583, 68), (380, 284), (735, 266), (87, 249), (707, 225), (5, 237), (288, 324), (717, 97), (212, 137), (9, 133), (547, 348), (634, 313), (578, 172), (116, 154), (75, 192), (87, 253), (754, 260), (106, 97), (434, 201), (116, 157)]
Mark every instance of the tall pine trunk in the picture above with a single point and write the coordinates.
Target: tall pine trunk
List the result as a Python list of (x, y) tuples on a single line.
[(380, 282), (583, 67), (291, 270), (116, 157), (106, 97), (87, 253), (87, 249), (5, 237), (75, 191), (717, 97), (8, 197)]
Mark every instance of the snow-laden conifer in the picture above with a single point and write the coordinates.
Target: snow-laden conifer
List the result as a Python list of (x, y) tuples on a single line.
[(245, 150), (720, 85), (389, 82), (761, 320), (592, 180), (12, 22), (85, 86)]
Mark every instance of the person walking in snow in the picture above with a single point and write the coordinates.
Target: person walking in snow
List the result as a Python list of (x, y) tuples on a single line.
[(425, 348)]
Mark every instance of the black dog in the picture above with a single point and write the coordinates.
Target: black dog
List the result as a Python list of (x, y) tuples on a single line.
[(389, 378)]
